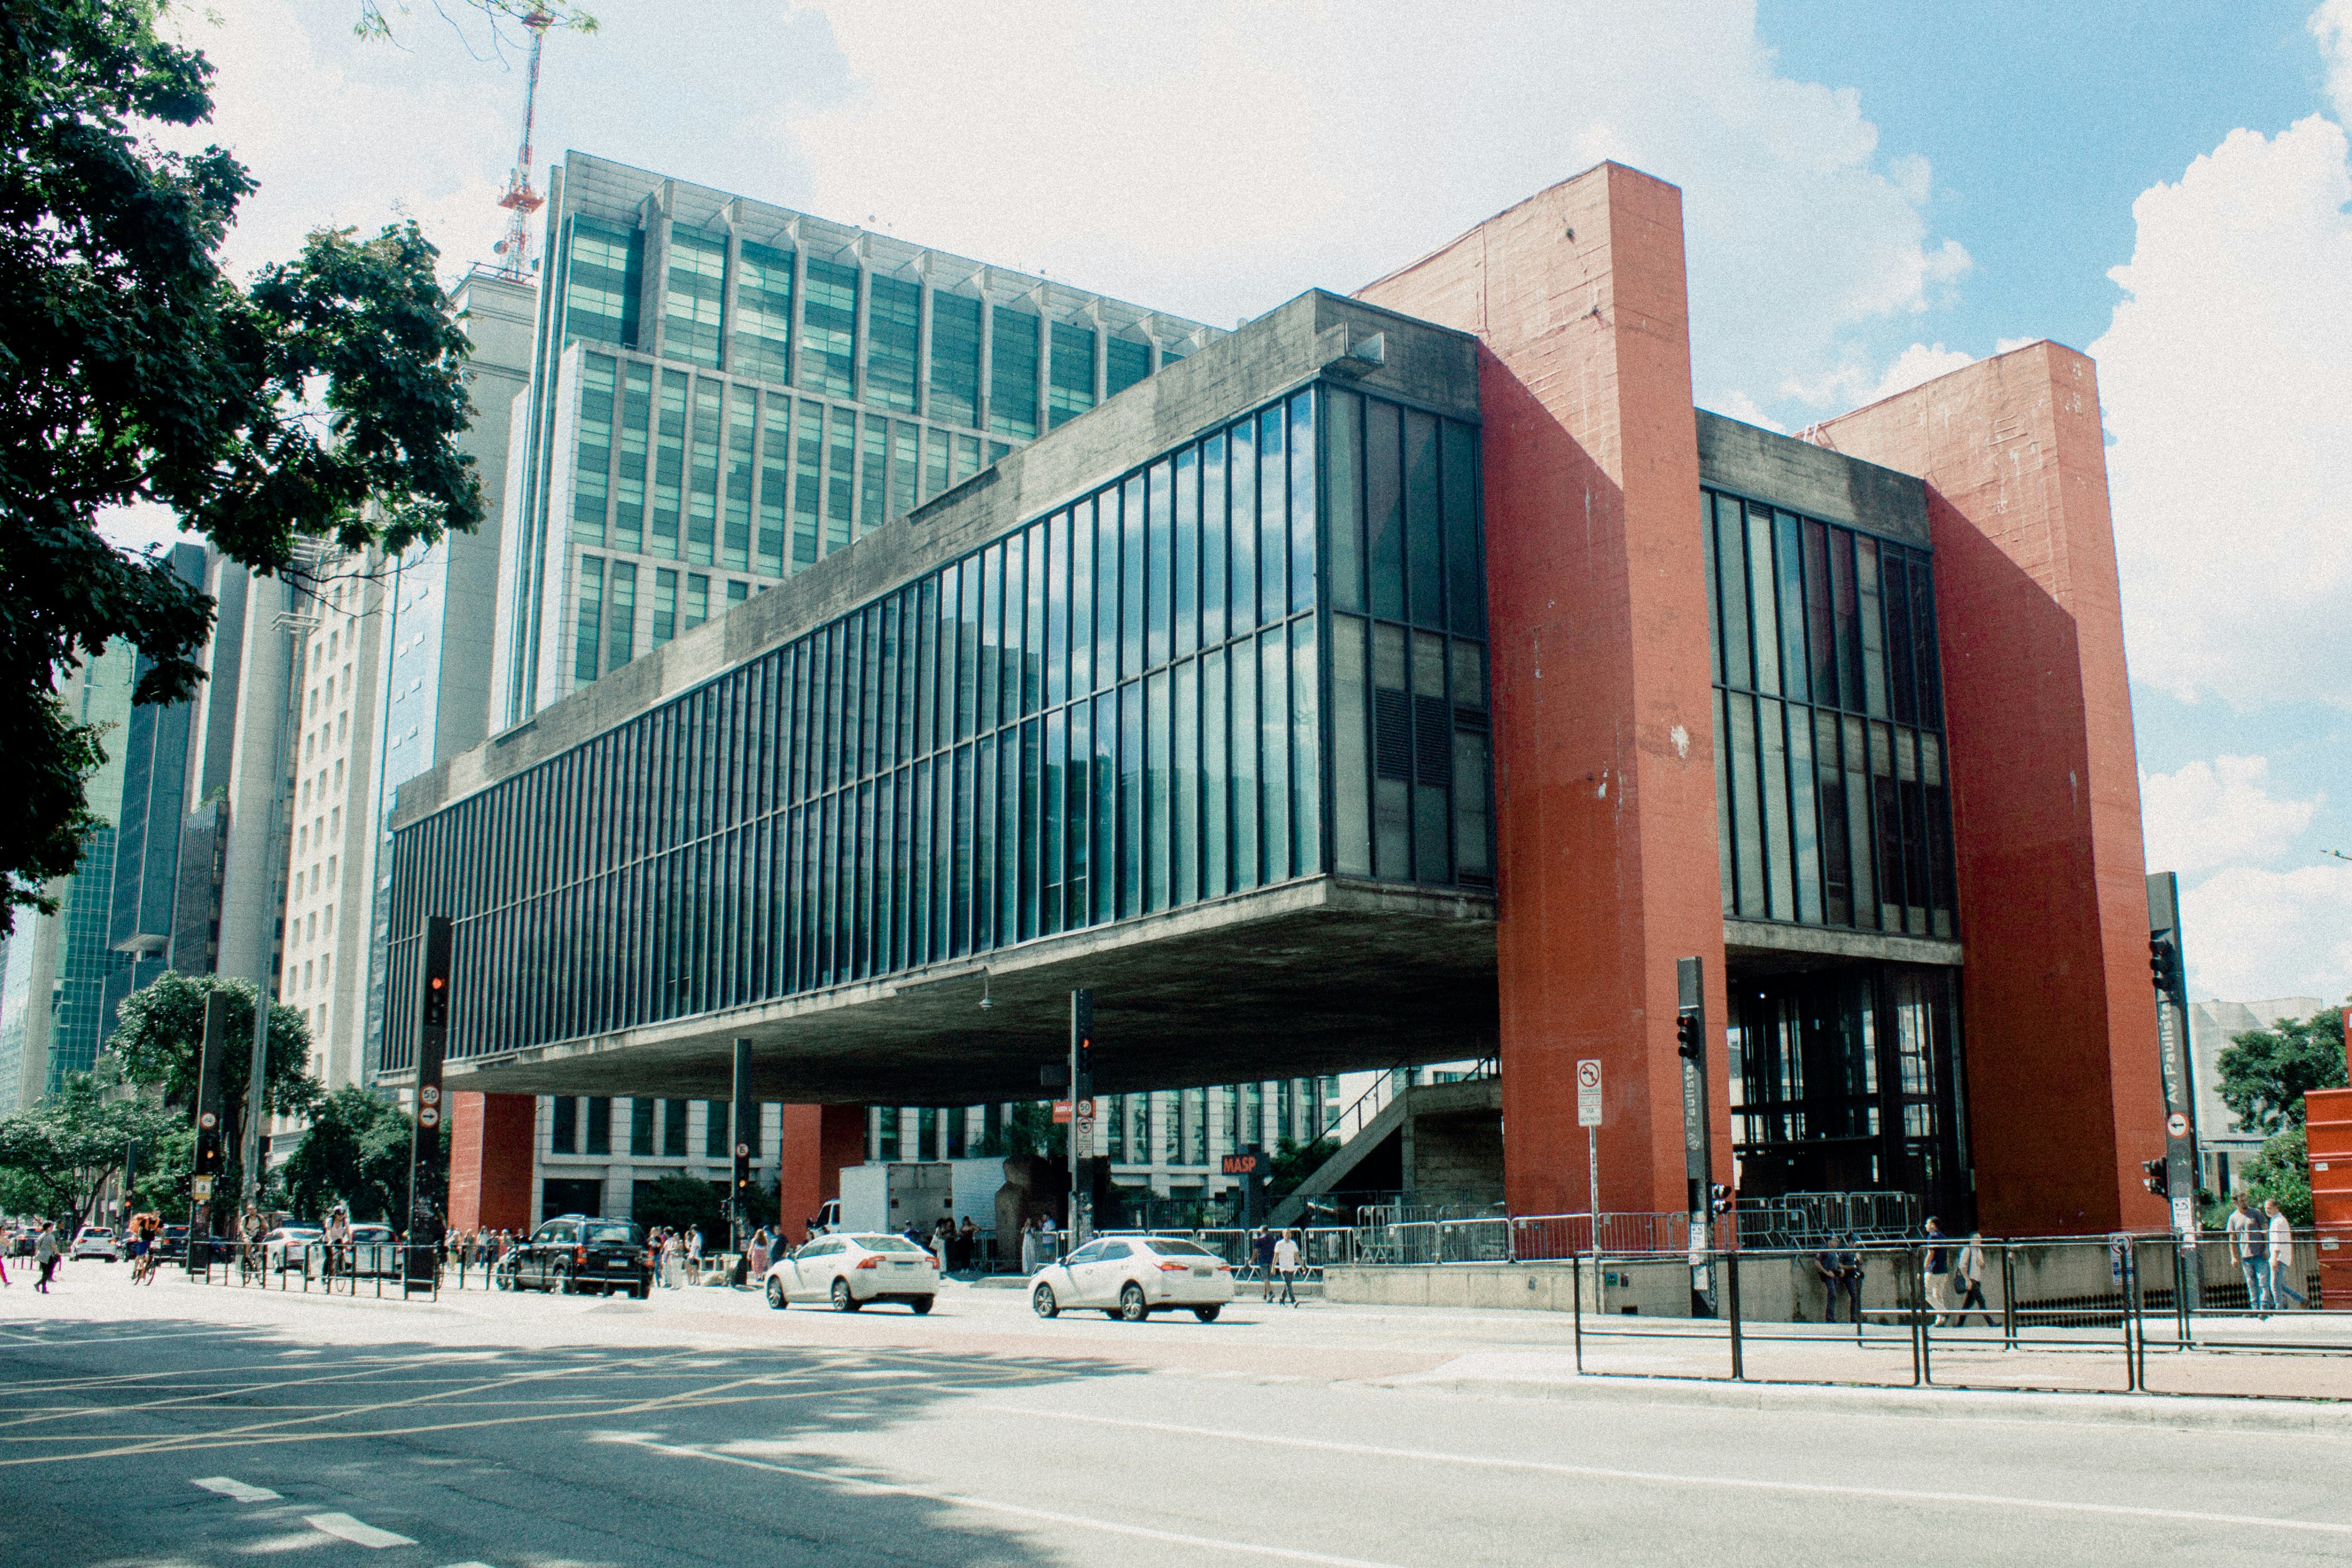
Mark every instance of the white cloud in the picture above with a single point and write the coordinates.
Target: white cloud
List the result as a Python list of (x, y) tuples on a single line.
[(1215, 160), (2332, 25), (1740, 406), (2252, 932), (2214, 814), (2225, 378)]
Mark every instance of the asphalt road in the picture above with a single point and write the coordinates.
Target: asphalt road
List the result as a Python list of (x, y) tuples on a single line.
[(178, 1425)]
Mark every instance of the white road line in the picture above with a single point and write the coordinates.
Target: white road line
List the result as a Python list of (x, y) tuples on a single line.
[(1899, 1494), (343, 1527), (238, 1489), (1017, 1510)]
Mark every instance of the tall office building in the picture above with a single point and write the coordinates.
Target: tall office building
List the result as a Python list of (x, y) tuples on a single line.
[(726, 392)]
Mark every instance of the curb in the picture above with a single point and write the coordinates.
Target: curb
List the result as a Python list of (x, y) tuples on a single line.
[(2183, 1412)]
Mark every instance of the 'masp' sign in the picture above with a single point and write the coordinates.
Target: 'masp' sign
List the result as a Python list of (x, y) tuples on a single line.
[(1241, 1164)]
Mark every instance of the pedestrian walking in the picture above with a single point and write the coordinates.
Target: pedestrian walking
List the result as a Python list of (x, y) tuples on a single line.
[(1827, 1269), (942, 1242), (1936, 1269), (46, 1254), (1262, 1256), (1285, 1263), (1968, 1268), (2248, 1246), (2281, 1258)]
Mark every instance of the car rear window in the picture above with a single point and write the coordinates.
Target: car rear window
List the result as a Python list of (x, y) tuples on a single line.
[(890, 1243), (1170, 1248), (613, 1234)]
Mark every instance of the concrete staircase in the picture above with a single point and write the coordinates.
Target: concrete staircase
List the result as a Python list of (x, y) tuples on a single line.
[(1449, 1142)]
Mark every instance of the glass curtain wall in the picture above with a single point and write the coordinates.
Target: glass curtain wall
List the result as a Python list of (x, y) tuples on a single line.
[(1830, 781), (1113, 711)]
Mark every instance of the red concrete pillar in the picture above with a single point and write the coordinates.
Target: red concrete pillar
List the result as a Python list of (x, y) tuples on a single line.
[(490, 1160), (817, 1141), (1596, 588), (2058, 1019)]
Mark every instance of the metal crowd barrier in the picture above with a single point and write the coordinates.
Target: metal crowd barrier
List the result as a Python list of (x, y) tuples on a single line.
[(340, 1269)]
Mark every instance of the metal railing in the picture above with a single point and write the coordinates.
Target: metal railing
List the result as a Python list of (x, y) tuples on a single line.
[(347, 1269)]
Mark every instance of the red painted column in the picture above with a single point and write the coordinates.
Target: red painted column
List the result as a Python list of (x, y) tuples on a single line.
[(490, 1160), (1596, 588), (2058, 1018), (817, 1141)]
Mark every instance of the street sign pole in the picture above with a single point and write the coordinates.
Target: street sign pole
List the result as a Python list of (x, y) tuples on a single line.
[(747, 1138), (1588, 1116)]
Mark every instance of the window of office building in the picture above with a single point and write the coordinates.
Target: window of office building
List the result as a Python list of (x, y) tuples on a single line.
[(601, 283), (594, 450), (955, 362), (893, 319), (829, 327), (1125, 363), (1116, 708), (763, 314), (1070, 391), (1013, 374), (1831, 791), (691, 296)]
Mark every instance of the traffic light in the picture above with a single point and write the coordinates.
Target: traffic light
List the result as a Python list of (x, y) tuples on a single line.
[(1688, 1040), (2164, 964), (743, 1172), (2155, 1178), (1718, 1199), (211, 1157)]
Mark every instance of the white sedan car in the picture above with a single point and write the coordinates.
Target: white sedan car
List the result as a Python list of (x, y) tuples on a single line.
[(96, 1241), (1132, 1276), (847, 1271)]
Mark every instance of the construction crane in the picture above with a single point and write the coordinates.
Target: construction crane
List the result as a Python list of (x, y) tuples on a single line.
[(520, 200)]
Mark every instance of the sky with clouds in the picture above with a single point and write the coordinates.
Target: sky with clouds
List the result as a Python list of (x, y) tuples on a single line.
[(1874, 195)]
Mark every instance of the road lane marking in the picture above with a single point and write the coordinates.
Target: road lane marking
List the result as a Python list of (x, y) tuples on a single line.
[(343, 1527), (1546, 1466), (990, 1505), (230, 1488)]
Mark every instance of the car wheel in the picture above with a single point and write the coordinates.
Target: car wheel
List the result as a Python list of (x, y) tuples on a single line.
[(1206, 1314), (1132, 1308), (560, 1284), (842, 1302), (502, 1278), (641, 1291), (1042, 1300), (776, 1294), (921, 1304)]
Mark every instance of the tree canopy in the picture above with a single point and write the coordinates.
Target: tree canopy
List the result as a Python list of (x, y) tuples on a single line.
[(56, 1156), (356, 1153), (160, 1032), (2265, 1073), (321, 403)]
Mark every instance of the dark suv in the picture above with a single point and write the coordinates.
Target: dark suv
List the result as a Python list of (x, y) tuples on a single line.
[(575, 1253)]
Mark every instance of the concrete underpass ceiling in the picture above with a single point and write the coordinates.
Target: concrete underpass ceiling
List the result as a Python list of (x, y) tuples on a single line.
[(1317, 977)]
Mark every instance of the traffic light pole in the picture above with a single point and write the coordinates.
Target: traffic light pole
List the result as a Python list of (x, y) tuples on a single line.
[(1082, 1094), (747, 1128), (432, 963), (2169, 973), (1699, 1152), (210, 1057)]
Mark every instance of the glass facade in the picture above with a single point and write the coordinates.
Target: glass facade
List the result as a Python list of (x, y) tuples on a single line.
[(1114, 709), (1831, 787), (1849, 1080)]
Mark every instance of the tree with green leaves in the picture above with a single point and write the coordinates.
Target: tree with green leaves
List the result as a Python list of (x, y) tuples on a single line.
[(320, 405), (2265, 1073), (59, 1155), (2282, 1170), (159, 1040), (676, 1202), (355, 1153)]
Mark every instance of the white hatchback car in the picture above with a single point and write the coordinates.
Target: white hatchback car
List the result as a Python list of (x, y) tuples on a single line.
[(96, 1241), (1132, 1276), (847, 1271)]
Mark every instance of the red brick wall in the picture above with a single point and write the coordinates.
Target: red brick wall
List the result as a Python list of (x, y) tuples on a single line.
[(2058, 1016), (490, 1160), (817, 1141), (1596, 592)]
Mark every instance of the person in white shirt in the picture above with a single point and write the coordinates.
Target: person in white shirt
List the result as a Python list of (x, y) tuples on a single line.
[(2246, 1233), (2281, 1258), (1285, 1263)]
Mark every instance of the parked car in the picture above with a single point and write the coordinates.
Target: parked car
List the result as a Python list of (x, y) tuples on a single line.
[(577, 1253), (94, 1241), (847, 1271), (172, 1242), (289, 1247), (1132, 1276)]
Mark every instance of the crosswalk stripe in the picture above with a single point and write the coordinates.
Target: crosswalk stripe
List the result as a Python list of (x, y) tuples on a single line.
[(234, 1489), (345, 1528)]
